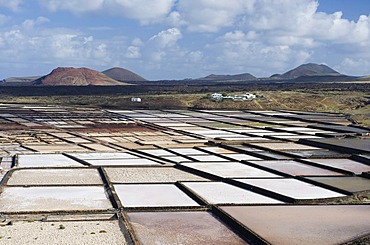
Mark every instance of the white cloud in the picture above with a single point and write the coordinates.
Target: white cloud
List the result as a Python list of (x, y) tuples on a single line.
[(101, 52), (298, 22), (3, 19), (272, 14), (100, 28), (291, 40), (66, 46), (361, 32), (164, 54), (75, 6), (236, 52), (355, 66), (137, 42), (13, 42), (235, 35), (14, 5), (167, 38), (333, 28), (175, 19), (54, 46), (157, 56), (288, 22), (197, 37), (210, 16), (145, 11), (284, 33), (133, 52), (195, 56), (29, 24)]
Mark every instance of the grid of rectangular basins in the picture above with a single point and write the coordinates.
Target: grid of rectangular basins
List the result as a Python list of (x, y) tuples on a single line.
[(181, 177)]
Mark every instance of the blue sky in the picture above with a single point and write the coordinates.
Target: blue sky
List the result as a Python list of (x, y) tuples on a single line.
[(177, 39)]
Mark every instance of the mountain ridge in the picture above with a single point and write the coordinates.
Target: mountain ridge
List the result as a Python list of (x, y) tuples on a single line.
[(309, 69), (121, 74), (69, 76), (242, 76)]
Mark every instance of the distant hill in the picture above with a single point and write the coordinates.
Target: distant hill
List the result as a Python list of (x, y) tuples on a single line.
[(309, 69), (68, 76), (121, 74), (323, 79), (365, 78), (19, 80), (275, 76), (213, 77)]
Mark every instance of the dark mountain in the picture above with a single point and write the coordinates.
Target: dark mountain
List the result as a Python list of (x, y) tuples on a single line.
[(213, 77), (323, 79), (275, 76), (309, 69), (68, 76), (124, 75)]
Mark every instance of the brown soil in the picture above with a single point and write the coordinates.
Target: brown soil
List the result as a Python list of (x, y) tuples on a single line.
[(112, 129), (7, 127)]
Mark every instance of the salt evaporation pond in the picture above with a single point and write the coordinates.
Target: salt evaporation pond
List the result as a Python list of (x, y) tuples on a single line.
[(304, 225), (292, 188), (222, 193), (152, 195), (55, 177), (180, 228), (46, 160), (22, 199), (150, 175)]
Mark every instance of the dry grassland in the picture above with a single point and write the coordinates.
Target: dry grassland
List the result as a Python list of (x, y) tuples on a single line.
[(353, 103)]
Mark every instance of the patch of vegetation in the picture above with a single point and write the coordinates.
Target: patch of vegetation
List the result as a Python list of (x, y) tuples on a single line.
[(349, 99)]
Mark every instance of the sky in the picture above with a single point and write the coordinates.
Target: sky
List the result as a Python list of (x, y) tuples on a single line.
[(179, 39)]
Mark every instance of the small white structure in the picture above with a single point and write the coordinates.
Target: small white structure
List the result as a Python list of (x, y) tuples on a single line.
[(243, 97), (217, 97), (135, 99), (250, 96)]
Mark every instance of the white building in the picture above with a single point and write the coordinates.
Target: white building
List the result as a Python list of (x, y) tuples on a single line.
[(134, 99), (217, 97), (243, 97), (250, 96)]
